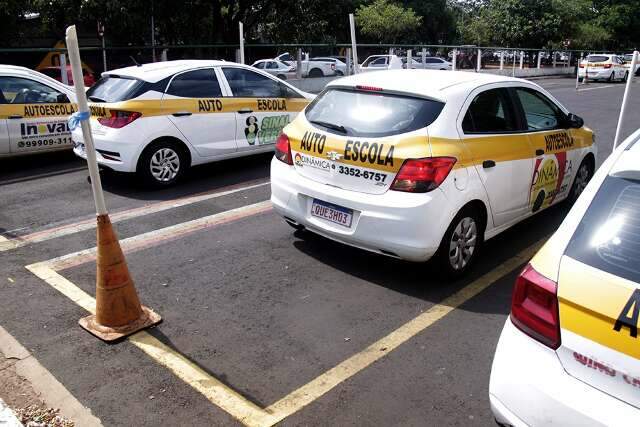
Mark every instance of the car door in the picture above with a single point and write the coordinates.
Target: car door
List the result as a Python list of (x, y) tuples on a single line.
[(35, 116), (195, 106), (501, 151), (556, 159), (263, 106)]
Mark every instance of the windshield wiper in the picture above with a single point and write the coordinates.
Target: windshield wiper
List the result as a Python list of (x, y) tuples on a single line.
[(333, 126), (96, 99)]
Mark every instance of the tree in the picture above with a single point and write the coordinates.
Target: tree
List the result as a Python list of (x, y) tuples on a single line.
[(384, 21)]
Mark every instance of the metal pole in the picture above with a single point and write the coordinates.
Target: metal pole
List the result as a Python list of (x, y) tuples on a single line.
[(63, 69), (578, 71), (453, 59), (539, 59), (354, 51), (625, 99), (348, 60), (424, 58), (513, 69), (153, 34), (299, 63), (409, 59), (521, 59), (241, 29), (78, 82), (502, 60), (554, 59), (104, 56), (479, 60)]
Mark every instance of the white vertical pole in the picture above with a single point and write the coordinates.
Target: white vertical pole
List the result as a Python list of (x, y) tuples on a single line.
[(63, 68), (513, 68), (502, 60), (104, 56), (409, 59), (539, 59), (578, 71), (625, 99), (554, 59), (521, 59), (424, 58), (354, 51), (479, 60), (299, 63), (241, 28), (153, 34), (453, 59), (348, 60), (83, 106)]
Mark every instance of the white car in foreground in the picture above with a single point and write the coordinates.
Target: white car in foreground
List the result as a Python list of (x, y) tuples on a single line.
[(159, 119), (417, 163), (569, 355)]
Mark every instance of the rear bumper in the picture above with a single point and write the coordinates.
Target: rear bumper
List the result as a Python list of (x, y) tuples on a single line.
[(529, 387), (117, 154), (403, 225), (603, 73)]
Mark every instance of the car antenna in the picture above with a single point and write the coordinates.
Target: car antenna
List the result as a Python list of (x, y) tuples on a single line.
[(134, 61)]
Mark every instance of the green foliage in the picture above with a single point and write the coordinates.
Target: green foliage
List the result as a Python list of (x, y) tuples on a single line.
[(384, 20)]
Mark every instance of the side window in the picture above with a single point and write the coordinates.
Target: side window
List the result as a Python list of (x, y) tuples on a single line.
[(540, 113), (195, 84), (259, 65), (246, 83), (490, 112), (272, 65), (16, 90)]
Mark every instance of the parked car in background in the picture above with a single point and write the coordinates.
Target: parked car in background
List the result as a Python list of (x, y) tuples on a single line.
[(276, 68), (34, 109), (430, 63), (626, 59), (603, 67), (340, 66), (381, 62), (310, 67), (56, 73)]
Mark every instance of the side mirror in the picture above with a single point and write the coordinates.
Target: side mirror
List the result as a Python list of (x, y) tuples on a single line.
[(62, 99), (574, 121)]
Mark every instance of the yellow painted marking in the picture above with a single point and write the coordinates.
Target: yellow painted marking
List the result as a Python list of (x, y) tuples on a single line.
[(234, 403)]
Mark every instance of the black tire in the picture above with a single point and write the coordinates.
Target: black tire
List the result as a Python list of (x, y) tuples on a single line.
[(339, 73), (161, 156), (443, 257), (281, 77), (611, 77), (580, 79), (626, 76), (316, 72), (578, 184)]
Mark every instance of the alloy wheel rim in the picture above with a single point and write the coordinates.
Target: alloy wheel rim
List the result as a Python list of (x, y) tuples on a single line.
[(165, 164), (582, 179), (463, 243)]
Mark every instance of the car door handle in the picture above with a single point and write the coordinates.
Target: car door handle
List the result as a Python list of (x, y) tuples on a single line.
[(245, 111), (539, 152), (15, 117), (181, 114), (488, 164)]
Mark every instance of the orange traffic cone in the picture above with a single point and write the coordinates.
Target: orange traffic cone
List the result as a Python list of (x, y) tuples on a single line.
[(118, 309)]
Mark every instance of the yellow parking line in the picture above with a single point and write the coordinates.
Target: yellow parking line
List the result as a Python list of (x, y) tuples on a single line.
[(230, 400)]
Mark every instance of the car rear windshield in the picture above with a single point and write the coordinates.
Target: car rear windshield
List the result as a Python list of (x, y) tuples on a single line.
[(115, 89), (597, 58), (371, 114), (608, 237)]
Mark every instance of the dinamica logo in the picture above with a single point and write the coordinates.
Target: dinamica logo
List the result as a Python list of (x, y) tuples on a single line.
[(314, 162)]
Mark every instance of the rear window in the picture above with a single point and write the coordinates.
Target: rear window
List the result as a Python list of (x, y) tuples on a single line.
[(608, 237), (597, 58), (370, 114), (114, 89)]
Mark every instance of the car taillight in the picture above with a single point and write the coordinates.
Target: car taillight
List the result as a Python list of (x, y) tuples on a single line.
[(534, 307), (423, 175), (581, 65), (333, 66), (607, 65), (119, 118), (283, 149)]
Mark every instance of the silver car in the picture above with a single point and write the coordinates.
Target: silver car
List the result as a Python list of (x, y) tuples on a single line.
[(276, 68)]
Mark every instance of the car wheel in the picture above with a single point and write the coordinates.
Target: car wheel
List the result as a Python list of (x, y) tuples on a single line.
[(580, 79), (316, 72), (611, 77), (461, 244), (339, 73), (162, 164), (281, 77), (583, 176), (626, 76)]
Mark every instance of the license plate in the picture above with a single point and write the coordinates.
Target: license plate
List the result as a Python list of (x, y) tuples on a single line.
[(333, 213)]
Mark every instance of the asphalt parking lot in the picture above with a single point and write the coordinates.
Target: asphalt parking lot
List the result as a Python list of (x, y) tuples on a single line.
[(262, 325)]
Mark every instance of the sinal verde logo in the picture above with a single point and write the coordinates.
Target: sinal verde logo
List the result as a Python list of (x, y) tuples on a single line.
[(545, 182), (267, 131)]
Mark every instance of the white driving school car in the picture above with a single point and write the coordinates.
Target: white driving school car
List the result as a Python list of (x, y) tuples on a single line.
[(569, 354), (603, 67), (34, 110), (159, 119), (417, 163)]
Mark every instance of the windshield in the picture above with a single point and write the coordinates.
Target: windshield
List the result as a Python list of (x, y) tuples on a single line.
[(114, 89), (597, 58), (370, 114), (608, 237)]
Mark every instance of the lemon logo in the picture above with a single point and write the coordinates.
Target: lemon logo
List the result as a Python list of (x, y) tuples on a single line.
[(251, 131), (545, 180)]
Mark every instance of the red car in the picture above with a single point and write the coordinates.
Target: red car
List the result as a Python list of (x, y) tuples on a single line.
[(55, 73)]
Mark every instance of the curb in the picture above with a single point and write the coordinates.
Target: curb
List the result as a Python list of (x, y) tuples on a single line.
[(7, 417)]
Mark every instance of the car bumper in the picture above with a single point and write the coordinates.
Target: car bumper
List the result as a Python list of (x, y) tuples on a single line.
[(529, 387), (110, 153), (596, 75), (402, 225)]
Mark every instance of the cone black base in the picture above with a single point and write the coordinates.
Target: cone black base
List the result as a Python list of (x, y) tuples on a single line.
[(106, 333)]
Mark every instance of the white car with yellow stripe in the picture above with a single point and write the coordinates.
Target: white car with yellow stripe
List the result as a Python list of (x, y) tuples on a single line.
[(34, 110), (603, 67), (417, 163), (570, 353), (159, 119)]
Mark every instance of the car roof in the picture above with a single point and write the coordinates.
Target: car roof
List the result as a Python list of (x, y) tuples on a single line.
[(16, 70), (156, 71), (428, 83)]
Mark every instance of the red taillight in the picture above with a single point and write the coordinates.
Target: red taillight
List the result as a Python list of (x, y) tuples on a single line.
[(534, 308), (283, 149), (372, 88), (581, 65), (119, 118), (607, 65), (423, 175)]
